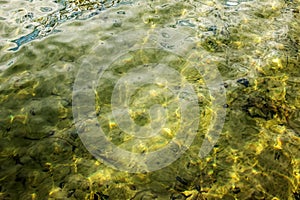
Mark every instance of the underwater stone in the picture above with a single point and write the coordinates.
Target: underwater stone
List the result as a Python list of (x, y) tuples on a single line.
[(243, 81)]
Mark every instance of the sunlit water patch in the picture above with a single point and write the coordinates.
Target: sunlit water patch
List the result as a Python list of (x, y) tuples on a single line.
[(253, 45)]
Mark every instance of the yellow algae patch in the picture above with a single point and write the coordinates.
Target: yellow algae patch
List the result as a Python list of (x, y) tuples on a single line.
[(167, 132), (112, 124), (278, 62), (278, 144)]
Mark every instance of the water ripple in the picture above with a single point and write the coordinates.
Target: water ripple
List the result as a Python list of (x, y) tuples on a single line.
[(72, 10)]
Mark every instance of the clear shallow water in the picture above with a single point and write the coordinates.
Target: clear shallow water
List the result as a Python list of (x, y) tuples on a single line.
[(254, 46)]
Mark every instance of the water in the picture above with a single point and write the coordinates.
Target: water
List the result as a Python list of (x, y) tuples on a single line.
[(246, 55)]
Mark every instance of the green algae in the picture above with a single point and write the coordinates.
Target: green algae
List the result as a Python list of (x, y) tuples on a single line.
[(256, 157)]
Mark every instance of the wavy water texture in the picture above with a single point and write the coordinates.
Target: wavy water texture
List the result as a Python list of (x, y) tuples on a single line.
[(253, 44), (70, 10)]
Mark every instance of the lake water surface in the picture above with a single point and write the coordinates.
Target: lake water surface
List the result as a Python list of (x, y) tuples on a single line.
[(150, 99)]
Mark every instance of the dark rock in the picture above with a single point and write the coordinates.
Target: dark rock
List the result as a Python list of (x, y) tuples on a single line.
[(243, 81)]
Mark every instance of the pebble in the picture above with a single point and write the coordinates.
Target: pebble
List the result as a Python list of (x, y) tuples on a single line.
[(243, 81)]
